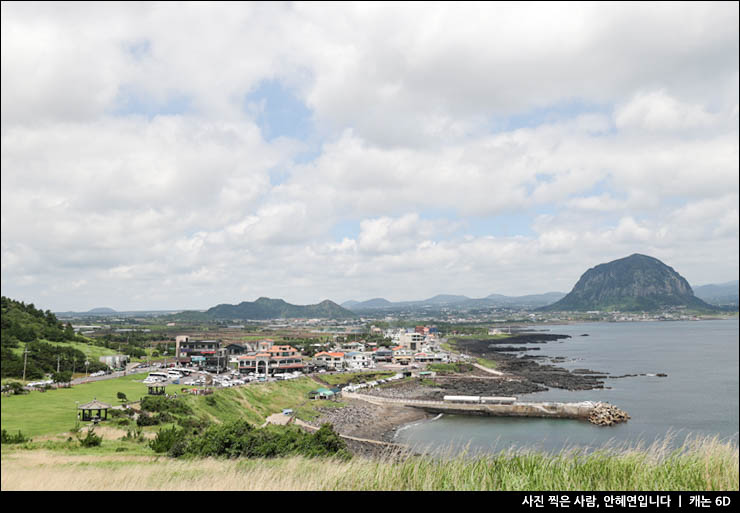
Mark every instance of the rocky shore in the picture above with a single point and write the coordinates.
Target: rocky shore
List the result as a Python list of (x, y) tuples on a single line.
[(361, 419), (530, 375), (522, 375)]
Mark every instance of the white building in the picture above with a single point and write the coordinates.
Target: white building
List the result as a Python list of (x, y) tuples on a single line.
[(356, 360), (411, 341)]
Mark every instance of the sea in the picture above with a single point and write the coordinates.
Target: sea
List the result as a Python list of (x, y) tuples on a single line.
[(698, 398)]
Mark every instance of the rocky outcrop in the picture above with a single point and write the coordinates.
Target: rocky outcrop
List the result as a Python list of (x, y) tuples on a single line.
[(635, 283), (605, 414)]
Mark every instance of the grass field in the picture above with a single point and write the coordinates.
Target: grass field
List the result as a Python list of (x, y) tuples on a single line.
[(91, 351), (55, 411), (704, 464), (353, 377), (258, 401)]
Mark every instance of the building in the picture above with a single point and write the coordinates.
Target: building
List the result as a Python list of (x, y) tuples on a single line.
[(332, 360), (356, 360), (270, 361), (206, 354), (117, 361), (402, 355), (411, 341), (383, 355)]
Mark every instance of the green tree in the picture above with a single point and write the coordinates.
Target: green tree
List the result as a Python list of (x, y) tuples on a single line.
[(62, 376)]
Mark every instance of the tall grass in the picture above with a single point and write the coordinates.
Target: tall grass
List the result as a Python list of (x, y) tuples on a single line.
[(700, 464)]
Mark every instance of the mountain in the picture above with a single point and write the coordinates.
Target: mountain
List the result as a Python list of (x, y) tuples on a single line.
[(635, 283), (531, 300), (457, 302), (721, 294), (102, 310), (370, 304), (266, 308), (445, 299)]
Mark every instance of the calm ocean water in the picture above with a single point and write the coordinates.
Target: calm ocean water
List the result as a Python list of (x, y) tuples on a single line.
[(699, 396)]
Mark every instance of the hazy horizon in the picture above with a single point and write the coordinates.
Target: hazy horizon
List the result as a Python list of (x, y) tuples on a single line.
[(360, 300), (160, 154)]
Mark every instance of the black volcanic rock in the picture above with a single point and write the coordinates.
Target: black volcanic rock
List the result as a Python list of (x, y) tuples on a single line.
[(635, 283)]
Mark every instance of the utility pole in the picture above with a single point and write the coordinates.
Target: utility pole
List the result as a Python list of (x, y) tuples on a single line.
[(25, 359), (58, 357)]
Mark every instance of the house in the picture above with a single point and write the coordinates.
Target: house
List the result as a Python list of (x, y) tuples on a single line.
[(274, 360), (333, 360), (325, 393), (207, 353), (411, 341), (353, 346), (402, 355), (383, 355), (357, 360)]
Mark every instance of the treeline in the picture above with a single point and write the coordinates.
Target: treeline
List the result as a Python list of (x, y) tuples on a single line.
[(25, 326), (24, 322)]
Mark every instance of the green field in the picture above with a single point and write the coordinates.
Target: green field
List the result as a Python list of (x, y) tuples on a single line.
[(257, 401), (54, 411), (91, 351), (354, 377)]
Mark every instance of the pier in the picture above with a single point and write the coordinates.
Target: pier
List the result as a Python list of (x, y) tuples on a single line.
[(595, 412)]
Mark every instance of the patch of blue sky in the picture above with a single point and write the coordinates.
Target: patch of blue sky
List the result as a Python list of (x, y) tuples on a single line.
[(499, 225), (139, 49), (131, 101), (345, 229), (558, 112), (280, 113)]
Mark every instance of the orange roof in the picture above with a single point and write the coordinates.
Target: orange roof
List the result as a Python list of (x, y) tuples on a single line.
[(277, 349), (329, 354)]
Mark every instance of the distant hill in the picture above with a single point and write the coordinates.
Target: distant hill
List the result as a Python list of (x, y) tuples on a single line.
[(635, 283), (721, 294), (446, 299), (266, 308), (457, 302), (102, 310), (378, 302)]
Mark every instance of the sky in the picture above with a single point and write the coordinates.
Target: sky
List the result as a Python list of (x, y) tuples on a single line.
[(183, 155)]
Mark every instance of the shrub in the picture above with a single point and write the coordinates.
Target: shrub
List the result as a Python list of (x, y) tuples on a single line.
[(192, 424), (7, 438), (146, 420), (91, 439), (163, 404), (166, 439), (133, 436), (240, 439)]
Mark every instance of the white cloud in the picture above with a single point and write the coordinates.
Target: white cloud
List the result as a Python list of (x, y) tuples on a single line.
[(133, 168)]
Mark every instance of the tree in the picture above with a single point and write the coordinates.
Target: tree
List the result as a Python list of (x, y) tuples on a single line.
[(62, 377), (122, 397)]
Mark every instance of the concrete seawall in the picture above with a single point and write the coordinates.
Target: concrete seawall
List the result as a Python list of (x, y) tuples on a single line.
[(587, 410), (519, 409)]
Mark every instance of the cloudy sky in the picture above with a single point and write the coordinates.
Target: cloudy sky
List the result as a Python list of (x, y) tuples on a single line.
[(170, 155)]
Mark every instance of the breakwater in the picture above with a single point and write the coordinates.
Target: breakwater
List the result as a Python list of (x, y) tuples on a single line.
[(597, 413)]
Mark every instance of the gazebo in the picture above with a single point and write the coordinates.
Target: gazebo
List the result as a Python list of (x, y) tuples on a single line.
[(156, 389), (87, 410)]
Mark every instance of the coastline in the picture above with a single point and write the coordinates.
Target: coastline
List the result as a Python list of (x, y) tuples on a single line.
[(362, 419)]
